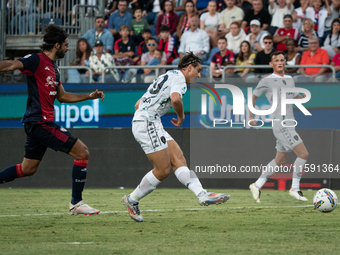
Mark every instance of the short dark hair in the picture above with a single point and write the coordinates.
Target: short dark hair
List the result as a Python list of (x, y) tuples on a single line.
[(147, 30), (137, 8), (165, 29), (222, 38), (159, 50), (268, 37), (99, 17), (189, 58), (54, 34), (276, 53), (152, 39), (288, 16)]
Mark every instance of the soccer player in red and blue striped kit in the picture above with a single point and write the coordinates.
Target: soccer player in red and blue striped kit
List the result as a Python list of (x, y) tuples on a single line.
[(43, 86)]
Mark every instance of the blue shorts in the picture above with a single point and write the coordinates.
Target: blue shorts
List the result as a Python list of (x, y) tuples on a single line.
[(46, 134)]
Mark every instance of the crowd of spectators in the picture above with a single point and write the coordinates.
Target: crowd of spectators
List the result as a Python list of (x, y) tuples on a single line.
[(140, 32)]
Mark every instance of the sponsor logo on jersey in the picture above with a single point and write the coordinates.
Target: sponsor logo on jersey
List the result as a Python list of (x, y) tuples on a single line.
[(53, 93), (50, 81), (46, 68), (27, 56)]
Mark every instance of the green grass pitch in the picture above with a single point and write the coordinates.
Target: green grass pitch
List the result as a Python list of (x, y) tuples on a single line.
[(36, 221)]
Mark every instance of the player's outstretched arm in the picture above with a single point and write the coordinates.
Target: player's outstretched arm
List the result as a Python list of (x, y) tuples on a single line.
[(10, 65), (66, 97), (177, 104), (251, 115)]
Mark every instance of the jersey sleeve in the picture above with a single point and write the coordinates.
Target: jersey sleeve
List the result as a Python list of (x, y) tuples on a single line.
[(178, 86), (31, 63), (261, 88)]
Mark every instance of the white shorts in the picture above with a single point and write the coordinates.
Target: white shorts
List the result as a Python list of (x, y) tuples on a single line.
[(150, 135), (286, 139)]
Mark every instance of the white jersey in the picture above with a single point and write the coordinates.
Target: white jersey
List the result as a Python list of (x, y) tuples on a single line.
[(266, 86), (156, 101)]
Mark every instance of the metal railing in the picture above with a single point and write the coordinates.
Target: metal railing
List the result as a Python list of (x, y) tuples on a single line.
[(157, 67), (29, 17), (2, 29), (77, 67), (290, 66)]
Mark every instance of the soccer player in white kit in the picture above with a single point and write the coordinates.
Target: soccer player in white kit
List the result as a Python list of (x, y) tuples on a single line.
[(286, 137), (163, 152)]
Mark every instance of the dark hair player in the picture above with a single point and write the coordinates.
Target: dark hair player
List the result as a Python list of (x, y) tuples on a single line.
[(43, 86)]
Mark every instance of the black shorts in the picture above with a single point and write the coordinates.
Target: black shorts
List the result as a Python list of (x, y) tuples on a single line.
[(47, 134)]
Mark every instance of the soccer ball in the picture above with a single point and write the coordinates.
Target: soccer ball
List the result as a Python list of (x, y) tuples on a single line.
[(325, 200)]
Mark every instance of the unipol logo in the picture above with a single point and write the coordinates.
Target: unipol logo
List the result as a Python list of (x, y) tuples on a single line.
[(239, 102)]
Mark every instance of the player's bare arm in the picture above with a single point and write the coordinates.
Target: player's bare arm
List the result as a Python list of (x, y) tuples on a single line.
[(66, 97), (10, 65), (137, 104), (177, 104), (251, 115)]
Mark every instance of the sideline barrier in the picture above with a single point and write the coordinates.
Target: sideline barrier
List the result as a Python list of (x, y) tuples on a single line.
[(79, 67), (157, 67), (269, 67)]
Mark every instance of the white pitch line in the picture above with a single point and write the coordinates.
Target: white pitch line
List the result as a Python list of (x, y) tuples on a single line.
[(76, 242), (169, 210)]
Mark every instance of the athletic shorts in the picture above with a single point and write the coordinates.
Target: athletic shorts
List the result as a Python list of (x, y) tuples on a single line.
[(47, 134), (286, 139), (150, 135)]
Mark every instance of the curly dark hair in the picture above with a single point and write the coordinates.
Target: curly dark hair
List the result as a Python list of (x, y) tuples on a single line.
[(189, 58), (54, 34)]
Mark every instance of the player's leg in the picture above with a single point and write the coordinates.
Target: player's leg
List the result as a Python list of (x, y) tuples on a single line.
[(162, 167), (279, 160), (189, 179), (152, 139), (34, 152), (81, 155), (302, 156), (27, 168)]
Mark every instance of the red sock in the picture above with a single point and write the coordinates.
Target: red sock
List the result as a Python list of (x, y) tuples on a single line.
[(19, 171)]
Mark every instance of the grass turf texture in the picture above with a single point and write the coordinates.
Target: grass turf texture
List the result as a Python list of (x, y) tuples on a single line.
[(278, 225)]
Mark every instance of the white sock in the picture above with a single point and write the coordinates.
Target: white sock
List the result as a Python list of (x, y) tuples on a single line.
[(146, 186), (266, 174), (298, 168), (189, 179)]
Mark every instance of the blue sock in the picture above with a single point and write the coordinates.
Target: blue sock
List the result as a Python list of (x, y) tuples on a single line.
[(78, 179), (10, 173)]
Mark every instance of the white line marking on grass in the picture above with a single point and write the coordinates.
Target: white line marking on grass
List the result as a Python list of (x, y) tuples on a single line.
[(76, 242), (170, 210)]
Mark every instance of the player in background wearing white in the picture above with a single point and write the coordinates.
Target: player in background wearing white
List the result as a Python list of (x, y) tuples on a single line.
[(286, 137), (160, 148)]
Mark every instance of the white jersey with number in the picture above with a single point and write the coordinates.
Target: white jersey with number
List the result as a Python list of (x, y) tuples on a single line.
[(156, 101), (266, 86)]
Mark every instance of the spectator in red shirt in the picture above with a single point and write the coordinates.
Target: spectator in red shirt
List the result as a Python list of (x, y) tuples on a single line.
[(336, 63), (167, 44), (168, 18), (282, 34), (314, 56), (219, 59)]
